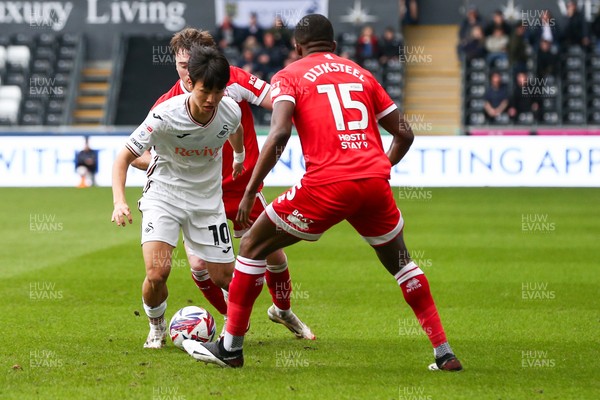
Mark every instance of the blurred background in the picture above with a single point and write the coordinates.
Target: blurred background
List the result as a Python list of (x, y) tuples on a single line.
[(81, 74)]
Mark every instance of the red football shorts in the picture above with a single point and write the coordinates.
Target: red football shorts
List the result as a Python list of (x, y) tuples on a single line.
[(232, 203), (367, 204)]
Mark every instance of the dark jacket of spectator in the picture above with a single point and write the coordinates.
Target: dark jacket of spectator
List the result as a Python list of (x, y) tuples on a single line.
[(576, 30)]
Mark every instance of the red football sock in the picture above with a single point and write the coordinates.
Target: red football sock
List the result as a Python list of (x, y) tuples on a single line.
[(210, 290), (280, 285), (415, 288), (246, 285)]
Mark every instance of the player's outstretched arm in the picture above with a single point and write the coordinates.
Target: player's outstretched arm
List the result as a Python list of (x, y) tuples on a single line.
[(266, 102), (402, 133), (279, 134), (119, 175), (236, 140), (143, 161)]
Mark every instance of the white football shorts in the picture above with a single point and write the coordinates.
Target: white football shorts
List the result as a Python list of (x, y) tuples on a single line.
[(206, 233)]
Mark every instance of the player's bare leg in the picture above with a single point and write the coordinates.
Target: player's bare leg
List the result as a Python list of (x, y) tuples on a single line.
[(213, 293), (415, 287), (279, 283), (261, 240), (157, 258)]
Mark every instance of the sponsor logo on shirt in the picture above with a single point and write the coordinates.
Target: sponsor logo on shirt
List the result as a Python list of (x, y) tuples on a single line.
[(137, 144), (205, 152)]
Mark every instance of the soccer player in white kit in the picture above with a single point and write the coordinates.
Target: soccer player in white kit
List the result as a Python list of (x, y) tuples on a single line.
[(183, 191)]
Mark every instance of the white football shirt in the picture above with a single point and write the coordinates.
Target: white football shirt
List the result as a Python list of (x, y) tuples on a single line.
[(186, 169)]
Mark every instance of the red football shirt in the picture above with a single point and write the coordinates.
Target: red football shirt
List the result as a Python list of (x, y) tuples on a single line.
[(244, 88), (337, 105)]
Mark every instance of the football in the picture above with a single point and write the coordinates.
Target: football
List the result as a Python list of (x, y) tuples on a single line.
[(194, 323)]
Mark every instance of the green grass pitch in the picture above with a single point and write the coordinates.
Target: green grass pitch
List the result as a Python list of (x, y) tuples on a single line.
[(515, 274)]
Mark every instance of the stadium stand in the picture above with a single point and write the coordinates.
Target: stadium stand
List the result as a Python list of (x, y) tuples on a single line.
[(36, 78)]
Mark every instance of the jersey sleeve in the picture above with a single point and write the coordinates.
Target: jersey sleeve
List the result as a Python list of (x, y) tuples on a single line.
[(144, 137), (382, 100), (243, 86), (281, 89)]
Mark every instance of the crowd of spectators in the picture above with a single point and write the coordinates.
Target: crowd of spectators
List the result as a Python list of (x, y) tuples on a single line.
[(529, 50), (263, 51)]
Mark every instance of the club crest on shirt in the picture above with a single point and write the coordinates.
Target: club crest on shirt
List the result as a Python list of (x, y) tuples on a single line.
[(224, 132)]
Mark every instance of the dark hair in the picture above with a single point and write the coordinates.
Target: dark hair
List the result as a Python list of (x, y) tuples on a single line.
[(209, 66), (313, 28), (186, 38)]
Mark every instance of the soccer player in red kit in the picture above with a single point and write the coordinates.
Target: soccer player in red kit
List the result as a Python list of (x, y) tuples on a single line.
[(336, 106), (244, 88)]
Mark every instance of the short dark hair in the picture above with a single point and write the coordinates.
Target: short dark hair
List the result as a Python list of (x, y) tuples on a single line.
[(313, 28), (208, 65)]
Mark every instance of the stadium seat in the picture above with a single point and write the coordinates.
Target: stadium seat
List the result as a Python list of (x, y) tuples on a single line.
[(53, 119), (65, 66), (45, 53), (15, 79), (574, 76), (42, 66), (46, 39), (502, 119), (2, 58), (4, 40), (526, 118), (393, 78), (575, 118), (573, 62), (477, 64), (574, 89), (23, 39), (476, 118), (477, 90), (9, 111), (67, 52), (70, 39), (61, 79), (11, 93), (372, 65), (32, 119), (477, 77), (594, 118), (393, 64), (348, 38), (575, 103), (18, 56), (476, 104), (549, 103), (395, 91), (55, 106), (501, 64), (550, 118), (595, 62), (33, 106)]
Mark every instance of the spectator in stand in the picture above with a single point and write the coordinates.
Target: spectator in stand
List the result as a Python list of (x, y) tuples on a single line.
[(228, 34), (292, 56), (466, 27), (251, 43), (409, 12), (253, 29), (547, 60), (496, 45), (497, 21), (270, 59), (281, 33), (389, 47), (546, 28), (86, 165), (576, 31), (496, 98), (524, 99), (595, 28), (474, 46), (247, 61), (367, 45), (517, 50)]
